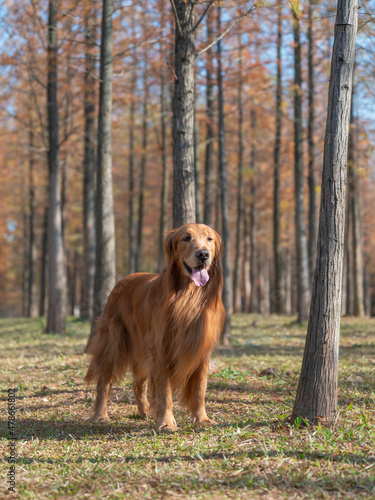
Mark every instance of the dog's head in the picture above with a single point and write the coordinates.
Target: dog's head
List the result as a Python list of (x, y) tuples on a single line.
[(196, 249)]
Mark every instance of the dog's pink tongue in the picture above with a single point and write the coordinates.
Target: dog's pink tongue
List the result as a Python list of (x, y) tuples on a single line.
[(199, 276)]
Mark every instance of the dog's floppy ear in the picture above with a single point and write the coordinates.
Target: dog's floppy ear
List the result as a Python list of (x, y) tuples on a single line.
[(170, 245)]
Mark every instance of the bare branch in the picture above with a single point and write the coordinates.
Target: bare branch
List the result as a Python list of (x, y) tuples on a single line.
[(204, 14), (172, 71), (252, 8), (141, 42), (180, 34)]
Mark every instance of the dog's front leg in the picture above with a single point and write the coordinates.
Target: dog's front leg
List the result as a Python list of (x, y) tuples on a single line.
[(195, 392), (161, 401)]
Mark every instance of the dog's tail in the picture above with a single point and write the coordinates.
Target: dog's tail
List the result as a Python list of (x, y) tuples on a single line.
[(110, 350)]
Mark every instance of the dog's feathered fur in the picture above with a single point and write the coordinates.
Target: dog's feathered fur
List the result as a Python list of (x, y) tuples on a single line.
[(163, 328)]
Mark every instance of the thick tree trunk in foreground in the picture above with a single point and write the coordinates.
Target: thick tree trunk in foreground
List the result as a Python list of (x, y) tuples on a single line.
[(303, 278), (279, 296), (316, 399), (183, 116), (57, 288), (310, 140), (223, 184), (89, 169), (105, 226)]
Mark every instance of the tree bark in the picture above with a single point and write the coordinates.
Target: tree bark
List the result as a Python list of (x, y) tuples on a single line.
[(57, 288), (311, 150), (279, 296), (89, 167), (208, 181), (183, 116), (303, 279), (105, 226), (316, 399), (223, 184)]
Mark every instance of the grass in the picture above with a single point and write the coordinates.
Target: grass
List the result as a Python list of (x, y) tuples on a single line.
[(250, 452)]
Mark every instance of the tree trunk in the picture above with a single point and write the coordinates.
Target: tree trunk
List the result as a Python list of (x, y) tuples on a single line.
[(164, 113), (246, 283), (316, 399), (348, 254), (344, 270), (57, 296), (303, 279), (223, 184), (239, 222), (183, 116), (26, 261), (279, 297), (138, 265), (132, 198), (105, 226), (254, 303), (32, 306), (264, 275), (89, 167), (197, 171), (310, 140), (353, 185), (208, 181), (43, 264), (367, 285), (288, 283)]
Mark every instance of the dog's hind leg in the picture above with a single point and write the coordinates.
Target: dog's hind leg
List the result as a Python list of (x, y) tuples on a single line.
[(100, 405), (140, 392)]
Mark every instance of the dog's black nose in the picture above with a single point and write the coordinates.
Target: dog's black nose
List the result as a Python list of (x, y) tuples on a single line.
[(202, 255)]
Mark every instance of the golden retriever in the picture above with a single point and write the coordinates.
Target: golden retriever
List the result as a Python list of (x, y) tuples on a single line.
[(163, 327)]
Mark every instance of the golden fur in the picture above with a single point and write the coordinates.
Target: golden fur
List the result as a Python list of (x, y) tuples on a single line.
[(163, 328)]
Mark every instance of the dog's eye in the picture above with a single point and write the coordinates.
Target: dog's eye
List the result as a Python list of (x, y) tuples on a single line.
[(210, 239), (187, 238)]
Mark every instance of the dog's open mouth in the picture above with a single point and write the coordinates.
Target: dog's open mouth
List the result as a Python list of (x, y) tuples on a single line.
[(198, 274)]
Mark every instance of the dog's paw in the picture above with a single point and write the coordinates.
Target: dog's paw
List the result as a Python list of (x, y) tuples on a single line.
[(167, 428), (202, 421), (100, 419)]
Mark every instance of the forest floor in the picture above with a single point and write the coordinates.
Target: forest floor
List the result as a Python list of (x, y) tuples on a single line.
[(250, 452)]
